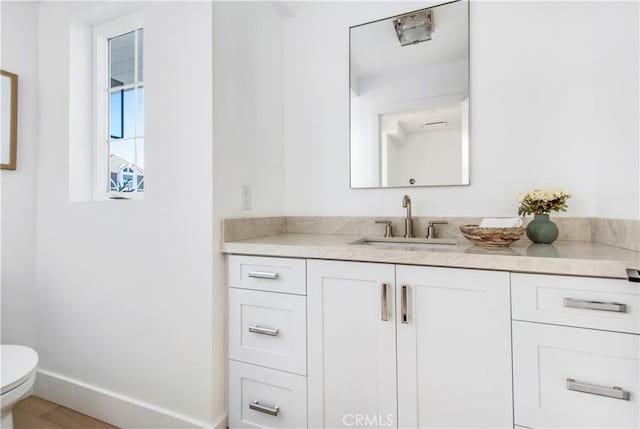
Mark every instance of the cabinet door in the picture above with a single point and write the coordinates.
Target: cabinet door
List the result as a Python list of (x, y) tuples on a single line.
[(574, 377), (351, 347), (454, 348)]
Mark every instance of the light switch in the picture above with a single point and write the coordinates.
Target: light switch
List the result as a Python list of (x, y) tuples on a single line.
[(246, 197)]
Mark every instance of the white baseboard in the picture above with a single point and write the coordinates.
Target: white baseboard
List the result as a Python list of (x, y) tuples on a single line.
[(221, 423), (111, 407)]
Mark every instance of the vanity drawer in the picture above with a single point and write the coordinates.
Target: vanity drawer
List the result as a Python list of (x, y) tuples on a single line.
[(587, 302), (268, 329), (268, 274), (555, 366), (266, 398)]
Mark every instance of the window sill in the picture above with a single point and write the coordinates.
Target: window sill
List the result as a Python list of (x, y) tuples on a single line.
[(121, 196)]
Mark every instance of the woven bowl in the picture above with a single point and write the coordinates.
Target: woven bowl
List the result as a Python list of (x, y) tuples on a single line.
[(492, 237)]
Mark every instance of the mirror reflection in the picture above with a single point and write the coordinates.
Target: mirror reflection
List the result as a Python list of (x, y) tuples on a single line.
[(409, 99)]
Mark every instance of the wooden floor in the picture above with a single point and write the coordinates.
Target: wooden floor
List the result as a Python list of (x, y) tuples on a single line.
[(37, 413)]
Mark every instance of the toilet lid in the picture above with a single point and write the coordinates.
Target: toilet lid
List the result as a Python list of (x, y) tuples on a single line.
[(18, 364)]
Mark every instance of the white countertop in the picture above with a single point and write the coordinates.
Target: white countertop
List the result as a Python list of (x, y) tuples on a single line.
[(579, 258)]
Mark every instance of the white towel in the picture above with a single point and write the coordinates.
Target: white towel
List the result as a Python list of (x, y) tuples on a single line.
[(501, 222)]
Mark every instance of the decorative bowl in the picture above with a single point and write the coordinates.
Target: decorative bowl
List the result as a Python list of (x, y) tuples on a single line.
[(492, 237)]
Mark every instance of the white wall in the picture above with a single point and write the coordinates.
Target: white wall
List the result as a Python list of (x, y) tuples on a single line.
[(248, 107), (614, 79), (125, 288), (549, 96), (18, 54)]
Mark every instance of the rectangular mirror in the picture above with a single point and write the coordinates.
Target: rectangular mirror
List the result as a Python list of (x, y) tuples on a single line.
[(9, 120), (409, 99)]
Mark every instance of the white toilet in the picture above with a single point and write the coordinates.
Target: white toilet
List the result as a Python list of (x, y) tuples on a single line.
[(18, 375)]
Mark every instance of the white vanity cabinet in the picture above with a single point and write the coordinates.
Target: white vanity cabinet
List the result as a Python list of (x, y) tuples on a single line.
[(454, 348), (330, 344)]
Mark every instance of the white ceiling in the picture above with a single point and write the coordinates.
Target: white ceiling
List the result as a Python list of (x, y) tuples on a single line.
[(375, 49)]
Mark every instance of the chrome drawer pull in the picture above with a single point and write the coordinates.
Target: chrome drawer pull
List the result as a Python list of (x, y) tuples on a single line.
[(595, 305), (611, 392), (264, 331), (384, 306), (257, 406), (263, 275), (403, 304)]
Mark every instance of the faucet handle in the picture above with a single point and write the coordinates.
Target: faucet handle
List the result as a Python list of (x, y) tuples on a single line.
[(431, 227), (388, 230), (438, 222)]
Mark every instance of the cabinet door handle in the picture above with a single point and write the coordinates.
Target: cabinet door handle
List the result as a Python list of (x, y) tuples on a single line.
[(403, 318), (264, 331), (263, 275), (384, 304), (257, 406), (595, 305), (610, 392)]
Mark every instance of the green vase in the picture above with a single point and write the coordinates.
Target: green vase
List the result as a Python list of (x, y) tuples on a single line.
[(542, 230)]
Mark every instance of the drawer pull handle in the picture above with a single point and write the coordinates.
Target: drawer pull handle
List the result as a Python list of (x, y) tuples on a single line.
[(404, 318), (384, 305), (595, 305), (611, 392), (264, 331), (257, 406), (263, 275)]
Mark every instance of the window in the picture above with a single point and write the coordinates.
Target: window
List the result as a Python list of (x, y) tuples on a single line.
[(120, 106), (126, 112)]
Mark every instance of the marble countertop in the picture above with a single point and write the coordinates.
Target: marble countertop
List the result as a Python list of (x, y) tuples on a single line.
[(581, 258)]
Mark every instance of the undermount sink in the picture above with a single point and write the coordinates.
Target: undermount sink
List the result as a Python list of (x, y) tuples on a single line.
[(407, 243)]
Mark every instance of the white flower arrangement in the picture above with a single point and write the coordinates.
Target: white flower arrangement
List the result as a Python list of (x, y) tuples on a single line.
[(543, 201)]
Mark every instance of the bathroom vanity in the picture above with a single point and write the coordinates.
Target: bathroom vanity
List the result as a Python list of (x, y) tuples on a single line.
[(457, 337)]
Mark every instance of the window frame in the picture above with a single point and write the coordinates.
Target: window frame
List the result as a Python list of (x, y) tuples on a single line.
[(102, 33)]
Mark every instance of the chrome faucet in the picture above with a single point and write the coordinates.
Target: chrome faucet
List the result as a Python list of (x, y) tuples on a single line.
[(408, 221)]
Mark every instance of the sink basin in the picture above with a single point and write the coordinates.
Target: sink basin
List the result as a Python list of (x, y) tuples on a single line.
[(407, 243)]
